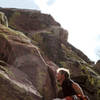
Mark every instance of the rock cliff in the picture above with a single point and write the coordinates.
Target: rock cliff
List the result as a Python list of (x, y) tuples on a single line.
[(33, 46)]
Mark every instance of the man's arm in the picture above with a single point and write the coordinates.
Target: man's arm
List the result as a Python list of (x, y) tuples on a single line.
[(79, 91)]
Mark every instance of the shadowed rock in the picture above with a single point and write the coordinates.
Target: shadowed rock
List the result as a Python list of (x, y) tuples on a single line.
[(97, 66)]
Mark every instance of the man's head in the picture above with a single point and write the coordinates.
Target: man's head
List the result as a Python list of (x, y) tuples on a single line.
[(62, 74)]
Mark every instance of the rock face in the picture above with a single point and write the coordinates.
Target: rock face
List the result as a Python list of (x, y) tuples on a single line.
[(97, 66), (3, 19), (27, 67), (29, 59), (28, 20), (33, 21)]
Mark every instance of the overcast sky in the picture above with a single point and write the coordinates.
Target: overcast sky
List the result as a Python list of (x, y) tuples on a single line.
[(80, 17)]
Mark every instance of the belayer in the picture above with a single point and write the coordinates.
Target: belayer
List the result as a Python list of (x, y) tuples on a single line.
[(71, 90)]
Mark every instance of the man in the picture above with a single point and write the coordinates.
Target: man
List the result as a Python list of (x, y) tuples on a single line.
[(70, 89)]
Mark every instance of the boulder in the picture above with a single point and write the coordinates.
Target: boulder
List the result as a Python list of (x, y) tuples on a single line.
[(26, 63), (14, 84)]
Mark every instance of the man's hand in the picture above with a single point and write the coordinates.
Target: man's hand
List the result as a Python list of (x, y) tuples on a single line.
[(83, 98)]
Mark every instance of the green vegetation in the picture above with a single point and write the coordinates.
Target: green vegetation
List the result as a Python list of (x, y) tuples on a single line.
[(8, 32), (13, 19), (71, 54), (37, 37)]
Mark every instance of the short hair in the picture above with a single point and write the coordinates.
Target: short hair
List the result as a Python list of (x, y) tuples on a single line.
[(64, 71)]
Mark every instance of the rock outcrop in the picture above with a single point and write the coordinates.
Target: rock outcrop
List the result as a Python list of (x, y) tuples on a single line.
[(29, 59), (33, 21), (25, 64), (28, 21), (97, 66), (3, 19)]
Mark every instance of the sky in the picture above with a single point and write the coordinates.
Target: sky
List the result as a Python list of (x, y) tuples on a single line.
[(80, 17)]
